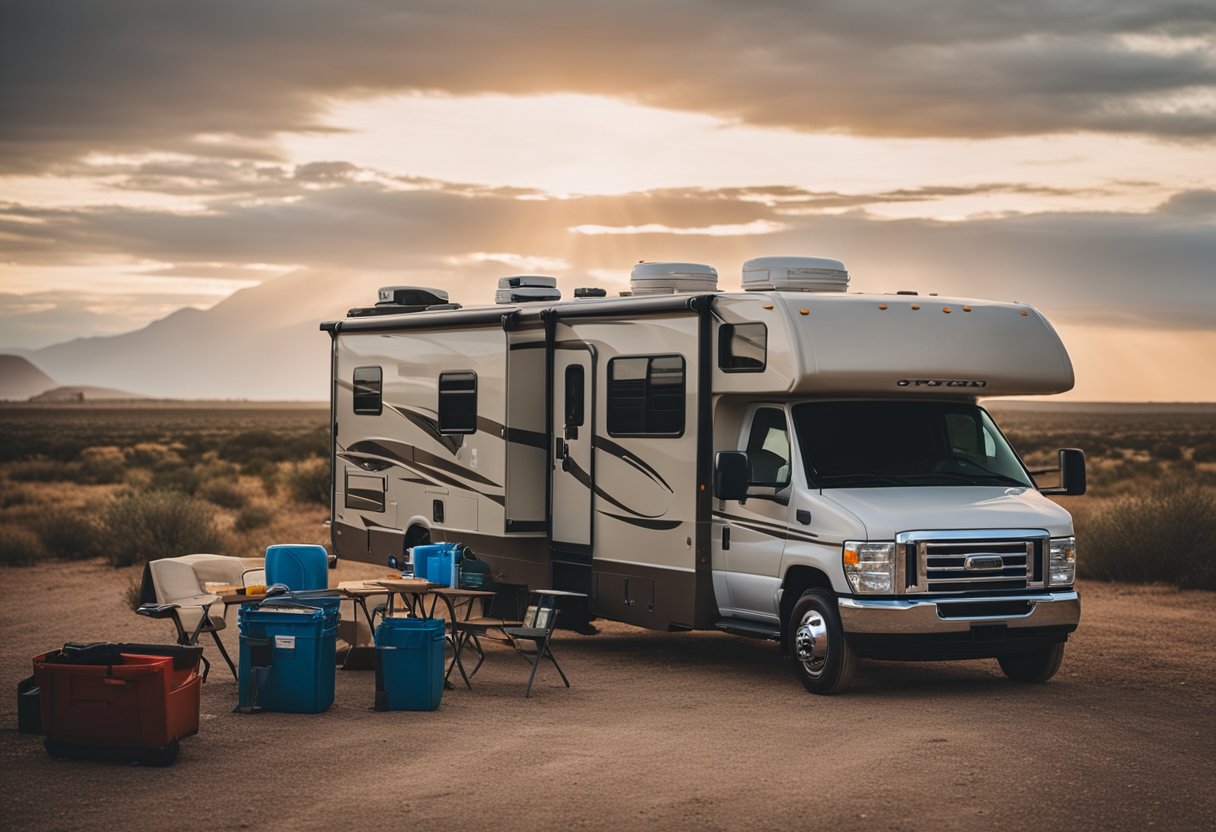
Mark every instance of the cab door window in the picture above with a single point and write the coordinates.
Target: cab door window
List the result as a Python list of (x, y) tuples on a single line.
[(768, 448)]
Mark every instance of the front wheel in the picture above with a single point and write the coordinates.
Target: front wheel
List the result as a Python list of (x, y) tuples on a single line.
[(825, 661), (1035, 666)]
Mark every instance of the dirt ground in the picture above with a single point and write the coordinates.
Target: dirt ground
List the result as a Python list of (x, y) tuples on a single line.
[(660, 731)]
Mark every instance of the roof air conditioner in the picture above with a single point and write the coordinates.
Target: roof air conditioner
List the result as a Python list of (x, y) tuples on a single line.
[(670, 278), (795, 274)]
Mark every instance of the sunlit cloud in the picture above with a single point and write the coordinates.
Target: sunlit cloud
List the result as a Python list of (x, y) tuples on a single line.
[(520, 262), (742, 230)]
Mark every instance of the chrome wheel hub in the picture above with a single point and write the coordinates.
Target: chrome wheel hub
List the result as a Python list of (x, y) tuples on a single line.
[(811, 643)]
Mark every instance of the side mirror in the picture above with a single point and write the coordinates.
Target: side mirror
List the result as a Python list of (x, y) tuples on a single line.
[(730, 475), (1072, 473)]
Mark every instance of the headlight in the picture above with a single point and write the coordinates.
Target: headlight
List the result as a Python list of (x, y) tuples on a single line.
[(870, 567), (1063, 561)]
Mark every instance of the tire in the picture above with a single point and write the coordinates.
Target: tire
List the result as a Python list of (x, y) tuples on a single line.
[(1035, 666), (823, 659)]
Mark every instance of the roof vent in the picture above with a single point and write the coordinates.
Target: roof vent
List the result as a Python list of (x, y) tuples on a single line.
[(400, 300), (670, 278), (795, 274), (527, 288)]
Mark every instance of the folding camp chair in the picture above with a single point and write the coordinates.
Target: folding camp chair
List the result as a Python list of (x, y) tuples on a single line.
[(506, 609), (538, 629), (174, 588)]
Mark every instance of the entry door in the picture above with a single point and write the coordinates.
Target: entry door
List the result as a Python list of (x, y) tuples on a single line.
[(573, 427)]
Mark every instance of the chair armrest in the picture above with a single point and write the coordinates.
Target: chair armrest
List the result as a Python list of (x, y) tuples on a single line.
[(157, 610), (197, 600)]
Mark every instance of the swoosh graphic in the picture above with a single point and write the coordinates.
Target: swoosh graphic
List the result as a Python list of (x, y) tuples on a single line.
[(627, 456)]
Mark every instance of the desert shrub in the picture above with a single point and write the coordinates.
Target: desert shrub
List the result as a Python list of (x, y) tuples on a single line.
[(151, 454), (147, 525), (269, 475), (131, 595), (101, 466), (1168, 451), (254, 448), (308, 481), (10, 497), (215, 469), (223, 493), (176, 477), (1166, 534), (1204, 452), (41, 469), (19, 546), (253, 517), (71, 533)]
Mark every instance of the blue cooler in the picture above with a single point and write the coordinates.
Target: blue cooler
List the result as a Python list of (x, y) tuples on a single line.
[(288, 657), (409, 664), (298, 565), (434, 561)]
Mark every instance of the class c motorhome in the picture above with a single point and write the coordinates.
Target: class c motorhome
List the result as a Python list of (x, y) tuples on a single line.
[(790, 461)]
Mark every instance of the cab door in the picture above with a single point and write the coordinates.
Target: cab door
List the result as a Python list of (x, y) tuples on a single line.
[(572, 487), (750, 534)]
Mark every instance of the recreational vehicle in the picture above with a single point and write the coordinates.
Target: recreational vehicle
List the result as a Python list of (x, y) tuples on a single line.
[(790, 461)]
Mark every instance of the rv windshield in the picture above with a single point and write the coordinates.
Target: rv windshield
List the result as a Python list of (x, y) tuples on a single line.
[(874, 444)]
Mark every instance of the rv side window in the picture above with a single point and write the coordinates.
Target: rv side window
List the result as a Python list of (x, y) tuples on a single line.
[(368, 383), (458, 402), (574, 396), (742, 348), (646, 396)]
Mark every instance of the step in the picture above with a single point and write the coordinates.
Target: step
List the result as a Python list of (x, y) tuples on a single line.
[(754, 629)]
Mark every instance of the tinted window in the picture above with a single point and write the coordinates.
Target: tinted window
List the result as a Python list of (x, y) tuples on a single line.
[(574, 396), (458, 402), (742, 348), (368, 383), (768, 448), (646, 396)]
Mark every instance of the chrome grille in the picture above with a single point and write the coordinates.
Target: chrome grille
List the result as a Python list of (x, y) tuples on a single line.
[(972, 561)]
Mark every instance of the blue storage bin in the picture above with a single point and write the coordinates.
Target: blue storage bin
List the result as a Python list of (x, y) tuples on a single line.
[(301, 644), (300, 566), (409, 664), (433, 561)]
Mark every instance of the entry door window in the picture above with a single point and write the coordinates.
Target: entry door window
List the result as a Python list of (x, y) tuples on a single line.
[(574, 396), (768, 448)]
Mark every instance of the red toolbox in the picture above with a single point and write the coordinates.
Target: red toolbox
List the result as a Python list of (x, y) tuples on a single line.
[(134, 710)]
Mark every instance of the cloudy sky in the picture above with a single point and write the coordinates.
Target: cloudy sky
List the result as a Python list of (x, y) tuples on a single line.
[(159, 155)]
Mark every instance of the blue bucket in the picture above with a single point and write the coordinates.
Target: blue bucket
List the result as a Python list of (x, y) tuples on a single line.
[(301, 646), (409, 664)]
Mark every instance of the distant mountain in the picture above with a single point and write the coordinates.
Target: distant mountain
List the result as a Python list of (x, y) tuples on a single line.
[(78, 393), (260, 343), (20, 379)]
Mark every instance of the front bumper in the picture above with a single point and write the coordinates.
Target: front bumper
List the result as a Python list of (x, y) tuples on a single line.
[(959, 627)]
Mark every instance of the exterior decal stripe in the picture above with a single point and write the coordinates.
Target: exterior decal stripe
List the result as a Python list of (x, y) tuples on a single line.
[(624, 454), (643, 522), (430, 426)]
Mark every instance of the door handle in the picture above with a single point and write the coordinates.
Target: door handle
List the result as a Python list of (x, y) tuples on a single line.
[(725, 538), (803, 516), (560, 449)]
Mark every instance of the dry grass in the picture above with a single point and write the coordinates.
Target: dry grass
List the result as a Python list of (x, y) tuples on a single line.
[(132, 483)]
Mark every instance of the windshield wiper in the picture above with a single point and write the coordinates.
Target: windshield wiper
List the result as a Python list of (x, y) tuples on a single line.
[(985, 478)]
